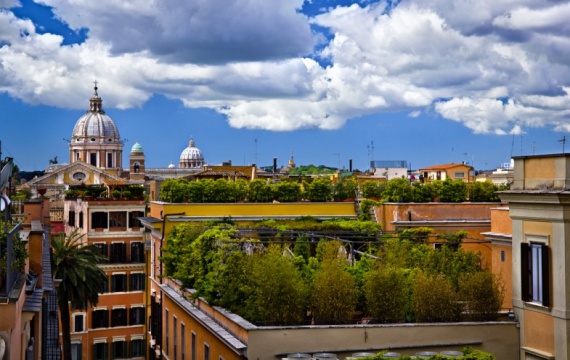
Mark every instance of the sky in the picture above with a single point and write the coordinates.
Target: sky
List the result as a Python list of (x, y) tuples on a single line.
[(324, 81)]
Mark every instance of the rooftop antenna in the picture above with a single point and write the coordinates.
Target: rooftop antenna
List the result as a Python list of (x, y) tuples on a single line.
[(533, 146), (255, 152), (370, 151), (563, 141)]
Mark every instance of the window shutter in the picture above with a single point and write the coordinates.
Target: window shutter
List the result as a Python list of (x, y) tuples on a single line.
[(525, 272), (545, 275)]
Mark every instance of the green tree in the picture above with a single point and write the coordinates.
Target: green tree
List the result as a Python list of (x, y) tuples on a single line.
[(286, 191), (434, 299), (81, 279), (387, 294), (345, 188), (483, 192), (484, 294), (423, 192), (319, 190), (195, 191), (398, 190), (334, 293), (454, 191), (371, 189), (259, 191), (279, 292)]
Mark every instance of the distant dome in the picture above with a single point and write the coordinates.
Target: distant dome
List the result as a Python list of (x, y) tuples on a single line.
[(136, 148), (171, 166), (95, 139), (95, 124), (191, 157)]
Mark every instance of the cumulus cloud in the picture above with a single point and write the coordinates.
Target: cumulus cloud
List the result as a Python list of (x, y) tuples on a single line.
[(494, 66), (198, 31)]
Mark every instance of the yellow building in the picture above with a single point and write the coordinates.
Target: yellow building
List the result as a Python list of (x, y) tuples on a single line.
[(538, 206)]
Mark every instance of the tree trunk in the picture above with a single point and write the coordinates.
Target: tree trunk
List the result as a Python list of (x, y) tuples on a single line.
[(65, 328)]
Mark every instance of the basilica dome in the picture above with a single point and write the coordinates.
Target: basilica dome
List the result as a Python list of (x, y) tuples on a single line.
[(191, 157), (95, 138), (95, 125)]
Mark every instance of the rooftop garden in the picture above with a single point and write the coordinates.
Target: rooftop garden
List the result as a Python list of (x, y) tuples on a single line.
[(123, 192), (310, 273), (323, 189)]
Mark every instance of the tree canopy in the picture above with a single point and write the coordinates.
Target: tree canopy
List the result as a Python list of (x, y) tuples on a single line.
[(308, 278)]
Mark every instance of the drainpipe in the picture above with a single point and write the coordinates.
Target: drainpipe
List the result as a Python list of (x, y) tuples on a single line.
[(162, 237)]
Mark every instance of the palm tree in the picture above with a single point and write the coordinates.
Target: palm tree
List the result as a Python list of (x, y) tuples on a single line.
[(81, 279)]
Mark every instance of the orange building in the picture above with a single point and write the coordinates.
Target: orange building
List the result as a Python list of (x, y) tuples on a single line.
[(115, 328), (450, 171), (473, 218), (28, 301)]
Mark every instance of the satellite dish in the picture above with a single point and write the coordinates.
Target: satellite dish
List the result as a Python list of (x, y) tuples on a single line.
[(4, 202)]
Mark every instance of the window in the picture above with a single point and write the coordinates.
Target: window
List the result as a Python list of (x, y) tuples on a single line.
[(137, 282), (79, 176), (175, 336), (459, 175), (182, 341), (119, 317), (99, 220), (119, 350), (206, 351), (137, 252), (109, 160), (100, 351), (104, 250), (93, 159), (137, 348), (134, 218), (118, 282), (105, 286), (76, 351), (71, 218), (137, 316), (167, 330), (78, 322), (81, 220), (118, 253), (502, 255), (100, 318), (535, 273), (118, 219), (193, 345)]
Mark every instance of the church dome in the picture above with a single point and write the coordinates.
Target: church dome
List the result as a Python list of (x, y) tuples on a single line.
[(95, 139), (95, 125), (191, 157), (136, 148)]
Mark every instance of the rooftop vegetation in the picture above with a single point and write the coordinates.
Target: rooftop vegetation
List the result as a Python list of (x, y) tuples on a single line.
[(468, 354), (322, 189), (125, 192), (304, 273), (400, 190)]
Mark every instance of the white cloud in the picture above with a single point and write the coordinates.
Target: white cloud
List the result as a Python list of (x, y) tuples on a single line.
[(494, 66)]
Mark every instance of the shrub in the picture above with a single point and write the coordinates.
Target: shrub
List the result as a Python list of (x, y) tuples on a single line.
[(387, 294), (434, 299), (484, 294), (334, 294)]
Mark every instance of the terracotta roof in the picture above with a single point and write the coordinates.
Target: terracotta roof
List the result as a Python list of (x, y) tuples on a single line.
[(443, 166)]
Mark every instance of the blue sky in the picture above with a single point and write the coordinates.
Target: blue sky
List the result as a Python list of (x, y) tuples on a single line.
[(427, 81)]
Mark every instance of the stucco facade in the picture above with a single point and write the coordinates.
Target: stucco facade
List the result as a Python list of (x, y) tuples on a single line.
[(539, 205)]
